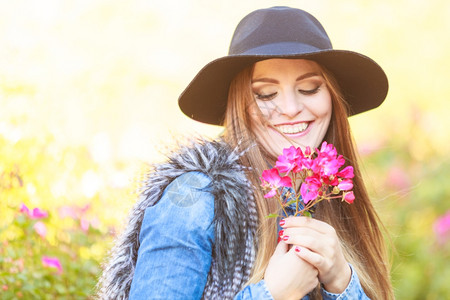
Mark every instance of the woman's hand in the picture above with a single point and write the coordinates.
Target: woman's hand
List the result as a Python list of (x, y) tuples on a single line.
[(318, 244), (287, 276)]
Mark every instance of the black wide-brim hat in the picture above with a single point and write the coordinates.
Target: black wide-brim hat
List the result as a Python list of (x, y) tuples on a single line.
[(282, 32)]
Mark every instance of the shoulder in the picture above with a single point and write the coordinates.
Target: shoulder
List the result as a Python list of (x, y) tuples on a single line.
[(187, 189), (208, 157), (185, 205), (194, 166)]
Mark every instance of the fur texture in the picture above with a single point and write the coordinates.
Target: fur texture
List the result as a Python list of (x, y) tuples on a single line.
[(235, 221)]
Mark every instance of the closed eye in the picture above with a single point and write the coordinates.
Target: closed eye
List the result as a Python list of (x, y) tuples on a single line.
[(310, 92), (265, 97)]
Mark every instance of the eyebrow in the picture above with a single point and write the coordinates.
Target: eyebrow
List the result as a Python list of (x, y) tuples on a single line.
[(271, 80)]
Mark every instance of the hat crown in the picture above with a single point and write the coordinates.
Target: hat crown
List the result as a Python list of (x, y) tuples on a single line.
[(260, 30), (282, 32)]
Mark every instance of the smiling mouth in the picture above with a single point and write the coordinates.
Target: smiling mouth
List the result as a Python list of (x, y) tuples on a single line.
[(293, 128)]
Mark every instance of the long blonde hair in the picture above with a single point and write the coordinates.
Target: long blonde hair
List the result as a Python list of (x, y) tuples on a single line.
[(358, 225)]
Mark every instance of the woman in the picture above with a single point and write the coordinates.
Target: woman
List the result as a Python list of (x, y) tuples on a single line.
[(199, 229)]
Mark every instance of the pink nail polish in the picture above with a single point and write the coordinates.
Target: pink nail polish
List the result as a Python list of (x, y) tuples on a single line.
[(279, 239), (297, 249), (281, 233), (282, 222), (285, 238)]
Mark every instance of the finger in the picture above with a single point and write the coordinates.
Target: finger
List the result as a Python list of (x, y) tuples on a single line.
[(309, 256), (281, 249), (313, 244), (311, 223), (302, 231)]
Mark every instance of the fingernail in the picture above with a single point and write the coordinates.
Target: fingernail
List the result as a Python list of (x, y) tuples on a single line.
[(281, 233), (282, 222), (285, 238), (279, 239), (297, 249)]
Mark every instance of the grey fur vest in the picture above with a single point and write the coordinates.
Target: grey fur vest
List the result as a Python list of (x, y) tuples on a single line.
[(235, 221)]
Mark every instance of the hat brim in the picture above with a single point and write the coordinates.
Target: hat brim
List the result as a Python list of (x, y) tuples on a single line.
[(362, 81)]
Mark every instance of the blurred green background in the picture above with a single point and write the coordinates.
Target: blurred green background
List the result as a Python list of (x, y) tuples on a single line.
[(88, 94)]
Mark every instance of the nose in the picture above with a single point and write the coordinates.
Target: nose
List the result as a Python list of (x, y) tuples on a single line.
[(291, 104)]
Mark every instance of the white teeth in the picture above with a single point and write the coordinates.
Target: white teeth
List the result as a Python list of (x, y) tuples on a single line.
[(292, 129)]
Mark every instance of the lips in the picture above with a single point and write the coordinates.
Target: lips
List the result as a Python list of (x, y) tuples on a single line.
[(293, 128)]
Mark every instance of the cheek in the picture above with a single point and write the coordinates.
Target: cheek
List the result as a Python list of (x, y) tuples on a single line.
[(265, 108), (323, 107), (253, 111), (256, 118)]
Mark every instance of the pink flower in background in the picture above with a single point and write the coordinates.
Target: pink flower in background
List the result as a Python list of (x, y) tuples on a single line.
[(24, 209), (442, 228), (85, 208), (398, 178), (52, 262), (271, 179), (36, 213), (78, 213), (368, 148), (68, 211), (20, 263), (84, 224), (40, 229)]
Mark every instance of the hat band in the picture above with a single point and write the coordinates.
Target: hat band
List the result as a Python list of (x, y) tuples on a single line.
[(281, 49)]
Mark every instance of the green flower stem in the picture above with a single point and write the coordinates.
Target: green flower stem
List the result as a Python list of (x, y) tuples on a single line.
[(281, 203), (295, 189)]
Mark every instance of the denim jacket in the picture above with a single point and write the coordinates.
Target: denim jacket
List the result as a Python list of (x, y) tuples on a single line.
[(175, 252)]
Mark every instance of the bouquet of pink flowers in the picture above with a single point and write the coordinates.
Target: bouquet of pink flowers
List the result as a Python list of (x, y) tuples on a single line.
[(317, 172)]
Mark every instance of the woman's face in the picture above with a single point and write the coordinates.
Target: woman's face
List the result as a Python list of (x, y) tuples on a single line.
[(293, 97)]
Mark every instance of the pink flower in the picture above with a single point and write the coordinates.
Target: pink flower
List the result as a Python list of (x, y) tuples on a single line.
[(318, 171), (52, 262), (347, 172), (84, 224), (397, 178), (327, 161), (442, 228), (77, 212), (310, 189), (348, 197), (24, 209), (85, 208), (308, 163), (345, 185), (330, 180), (68, 211), (20, 263), (272, 179), (308, 151), (328, 149), (40, 229), (288, 161), (331, 167), (36, 213)]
